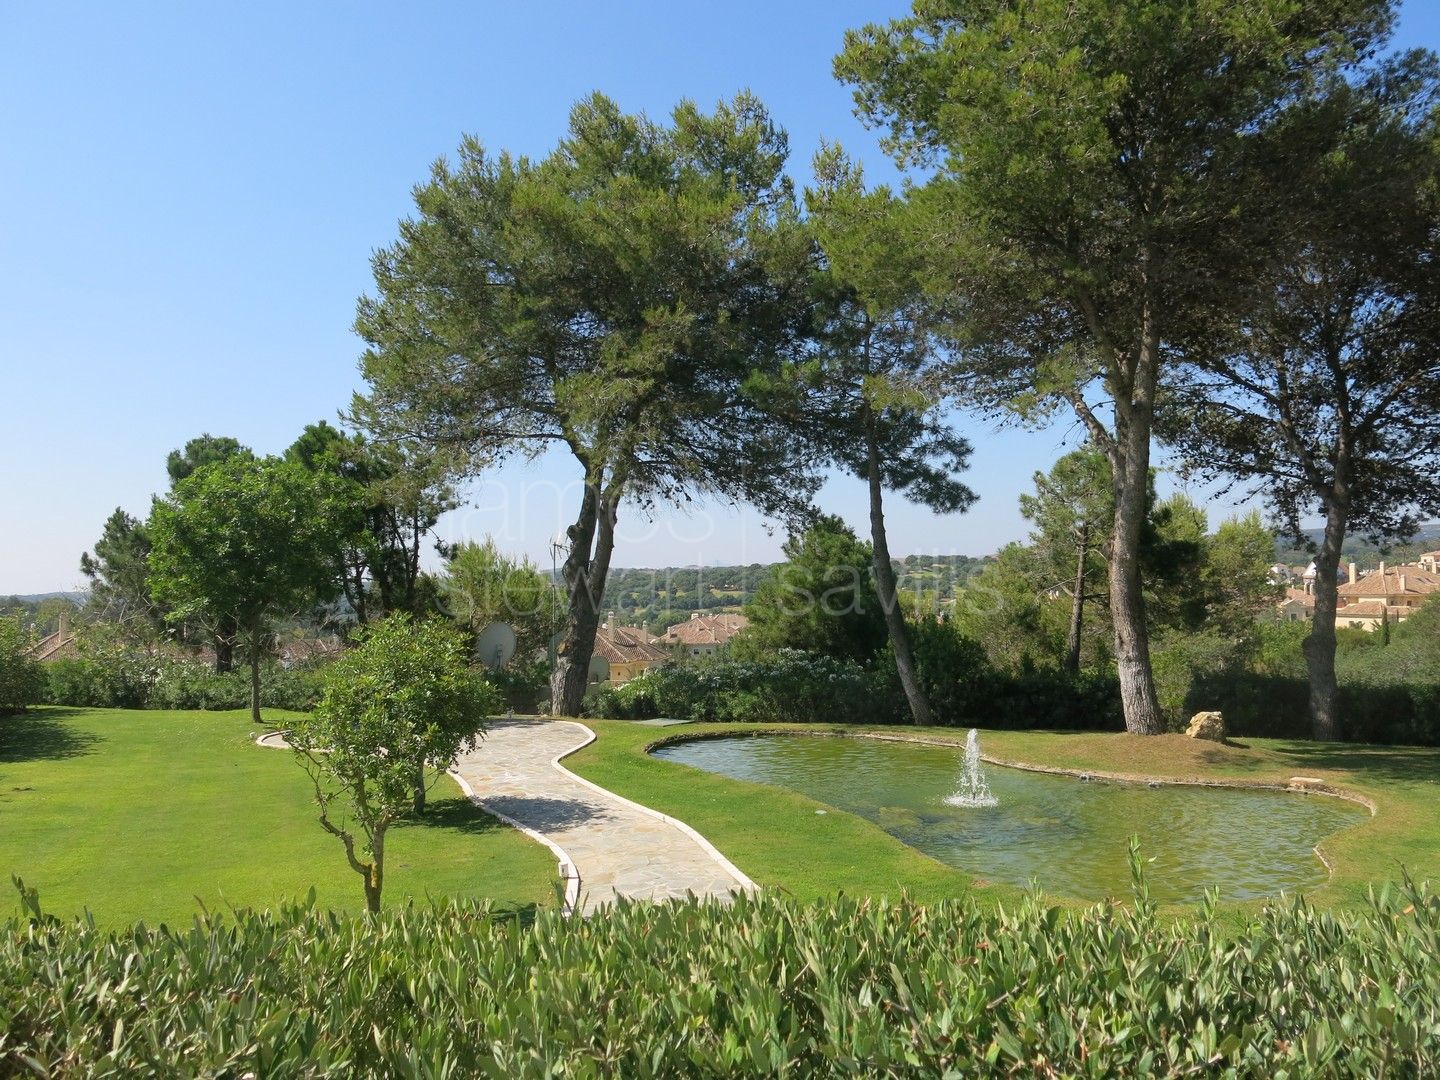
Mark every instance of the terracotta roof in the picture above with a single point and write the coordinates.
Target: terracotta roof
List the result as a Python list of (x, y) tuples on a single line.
[(1372, 609), (57, 646), (626, 645), (302, 649), (1301, 596), (1417, 582), (705, 630)]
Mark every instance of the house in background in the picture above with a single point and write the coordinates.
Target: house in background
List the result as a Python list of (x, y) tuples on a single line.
[(702, 635), (1298, 605), (57, 646), (1391, 593), (628, 650)]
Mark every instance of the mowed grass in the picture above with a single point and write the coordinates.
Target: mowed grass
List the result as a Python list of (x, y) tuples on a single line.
[(1403, 782), (145, 815), (776, 837), (773, 835)]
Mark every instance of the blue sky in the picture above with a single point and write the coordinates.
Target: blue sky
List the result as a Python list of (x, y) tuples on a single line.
[(190, 195)]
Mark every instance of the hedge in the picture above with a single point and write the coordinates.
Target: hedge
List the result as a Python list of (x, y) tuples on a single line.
[(135, 680), (766, 986)]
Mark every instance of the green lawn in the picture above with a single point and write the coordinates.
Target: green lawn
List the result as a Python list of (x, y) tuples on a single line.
[(776, 837), (773, 835), (135, 815)]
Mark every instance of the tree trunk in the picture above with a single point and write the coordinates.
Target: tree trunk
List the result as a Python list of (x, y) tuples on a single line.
[(255, 677), (375, 871), (585, 583), (885, 587), (419, 805), (1131, 466), (1319, 646), (1077, 604), (225, 646)]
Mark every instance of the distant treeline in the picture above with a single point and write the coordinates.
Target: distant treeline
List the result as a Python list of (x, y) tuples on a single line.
[(1362, 550), (662, 596)]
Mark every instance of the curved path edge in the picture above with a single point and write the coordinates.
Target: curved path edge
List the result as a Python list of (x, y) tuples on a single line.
[(568, 870), (741, 878)]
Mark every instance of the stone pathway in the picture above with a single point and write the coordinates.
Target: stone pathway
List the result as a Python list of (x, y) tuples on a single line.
[(607, 845)]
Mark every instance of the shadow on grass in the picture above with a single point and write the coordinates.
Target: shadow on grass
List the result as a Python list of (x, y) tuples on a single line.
[(457, 815), (43, 736), (1393, 763)]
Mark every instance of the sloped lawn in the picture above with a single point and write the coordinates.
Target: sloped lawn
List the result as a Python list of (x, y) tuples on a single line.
[(145, 815)]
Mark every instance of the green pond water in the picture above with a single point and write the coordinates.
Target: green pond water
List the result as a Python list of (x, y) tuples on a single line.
[(1068, 835)]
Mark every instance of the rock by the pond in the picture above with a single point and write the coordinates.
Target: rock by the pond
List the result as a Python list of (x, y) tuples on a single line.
[(1207, 725)]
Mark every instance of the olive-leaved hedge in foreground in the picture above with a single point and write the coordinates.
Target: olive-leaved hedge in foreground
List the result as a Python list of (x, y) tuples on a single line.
[(768, 985)]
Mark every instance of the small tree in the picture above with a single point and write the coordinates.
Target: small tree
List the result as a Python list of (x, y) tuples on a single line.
[(396, 712), (200, 451), (821, 599), (1071, 510), (483, 585), (392, 495), (22, 682), (119, 573), (242, 541)]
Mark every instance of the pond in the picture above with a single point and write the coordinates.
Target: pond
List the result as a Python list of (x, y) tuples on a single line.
[(1067, 834)]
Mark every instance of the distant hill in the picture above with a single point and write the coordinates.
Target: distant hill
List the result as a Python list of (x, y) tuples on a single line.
[(1360, 549), (659, 597), (35, 598)]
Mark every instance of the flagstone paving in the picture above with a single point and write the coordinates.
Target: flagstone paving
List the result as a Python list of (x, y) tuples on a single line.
[(614, 847), (607, 846)]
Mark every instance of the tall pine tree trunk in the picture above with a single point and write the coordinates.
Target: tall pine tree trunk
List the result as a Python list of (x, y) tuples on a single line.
[(585, 573), (1077, 603), (1130, 461), (1319, 646), (885, 587)]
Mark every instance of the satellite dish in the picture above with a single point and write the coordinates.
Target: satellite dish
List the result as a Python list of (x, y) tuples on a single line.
[(495, 646), (599, 669)]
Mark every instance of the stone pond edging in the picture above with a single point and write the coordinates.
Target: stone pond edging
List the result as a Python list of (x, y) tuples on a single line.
[(1240, 783)]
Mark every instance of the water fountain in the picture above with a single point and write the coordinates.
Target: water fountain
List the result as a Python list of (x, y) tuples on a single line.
[(972, 789)]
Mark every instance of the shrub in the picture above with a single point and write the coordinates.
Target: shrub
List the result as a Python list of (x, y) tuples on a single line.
[(110, 677), (1051, 699), (954, 671), (22, 682), (522, 684), (787, 687), (118, 678), (190, 684), (765, 986), (1185, 664)]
